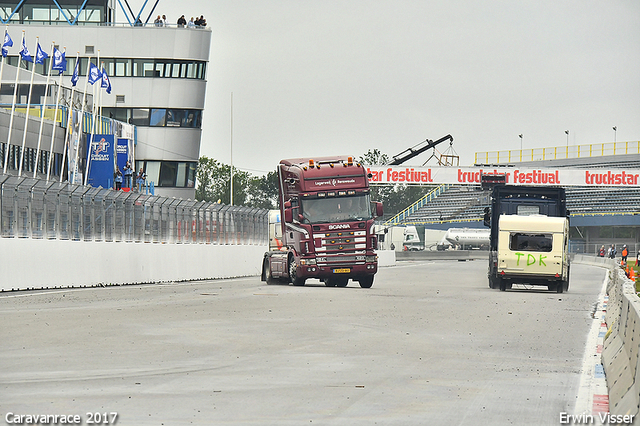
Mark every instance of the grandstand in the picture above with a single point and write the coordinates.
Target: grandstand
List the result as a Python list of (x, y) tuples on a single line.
[(599, 216)]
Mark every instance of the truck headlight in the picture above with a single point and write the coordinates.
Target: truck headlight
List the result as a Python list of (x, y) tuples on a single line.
[(371, 259), (311, 261)]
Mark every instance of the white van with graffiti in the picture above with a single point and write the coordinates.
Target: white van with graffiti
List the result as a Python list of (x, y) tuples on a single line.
[(533, 250)]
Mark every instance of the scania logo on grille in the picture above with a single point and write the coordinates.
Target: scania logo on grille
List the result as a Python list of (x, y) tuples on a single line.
[(341, 226)]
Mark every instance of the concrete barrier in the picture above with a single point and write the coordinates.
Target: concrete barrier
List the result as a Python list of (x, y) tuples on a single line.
[(38, 264), (386, 258), (442, 255), (31, 264), (621, 348)]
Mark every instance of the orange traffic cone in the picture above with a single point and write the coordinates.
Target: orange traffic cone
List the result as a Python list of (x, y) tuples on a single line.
[(632, 275)]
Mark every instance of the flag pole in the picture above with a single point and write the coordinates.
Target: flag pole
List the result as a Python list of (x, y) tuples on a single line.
[(44, 105), (26, 119), (13, 109), (68, 135), (94, 108), (55, 119), (84, 101), (101, 130)]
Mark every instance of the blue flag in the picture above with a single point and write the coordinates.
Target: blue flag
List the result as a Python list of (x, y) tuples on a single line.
[(24, 52), (94, 73), (7, 43), (41, 55), (76, 72), (59, 61), (106, 83)]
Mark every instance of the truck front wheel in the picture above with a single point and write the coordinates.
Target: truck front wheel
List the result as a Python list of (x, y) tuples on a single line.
[(366, 282), (293, 267)]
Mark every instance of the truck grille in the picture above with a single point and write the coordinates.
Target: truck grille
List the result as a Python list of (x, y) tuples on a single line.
[(340, 247)]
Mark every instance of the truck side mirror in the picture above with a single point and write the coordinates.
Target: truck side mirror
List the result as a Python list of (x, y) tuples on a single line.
[(487, 216), (288, 215), (379, 210)]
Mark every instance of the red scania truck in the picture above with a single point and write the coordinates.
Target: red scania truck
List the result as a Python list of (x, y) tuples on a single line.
[(327, 224)]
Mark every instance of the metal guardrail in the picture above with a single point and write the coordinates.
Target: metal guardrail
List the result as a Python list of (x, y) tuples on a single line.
[(557, 153), (36, 208)]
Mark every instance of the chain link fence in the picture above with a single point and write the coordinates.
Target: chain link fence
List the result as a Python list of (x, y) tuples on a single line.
[(36, 208)]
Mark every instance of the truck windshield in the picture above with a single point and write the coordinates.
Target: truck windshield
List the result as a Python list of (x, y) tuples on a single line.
[(343, 209)]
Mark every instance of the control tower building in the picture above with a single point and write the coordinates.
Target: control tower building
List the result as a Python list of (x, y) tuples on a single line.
[(157, 73)]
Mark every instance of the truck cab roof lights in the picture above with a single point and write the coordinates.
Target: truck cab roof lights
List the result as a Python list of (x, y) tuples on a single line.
[(331, 194), (311, 163), (351, 192), (321, 195), (349, 161), (342, 193)]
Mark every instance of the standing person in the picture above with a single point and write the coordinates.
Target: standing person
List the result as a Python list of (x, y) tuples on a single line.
[(612, 252), (164, 21), (625, 253), (191, 24), (140, 179), (601, 252), (182, 21), (118, 180), (638, 258), (158, 21), (128, 173)]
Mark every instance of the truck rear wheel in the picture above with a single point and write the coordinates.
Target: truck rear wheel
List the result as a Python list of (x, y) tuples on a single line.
[(565, 283), (267, 272), (494, 282), (366, 282)]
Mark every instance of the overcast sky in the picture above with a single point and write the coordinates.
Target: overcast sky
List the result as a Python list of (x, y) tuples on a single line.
[(315, 78)]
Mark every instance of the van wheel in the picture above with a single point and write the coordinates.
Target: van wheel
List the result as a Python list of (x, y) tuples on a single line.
[(503, 284), (560, 287)]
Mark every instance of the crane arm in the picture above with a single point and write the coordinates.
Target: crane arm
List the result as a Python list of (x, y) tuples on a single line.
[(417, 150)]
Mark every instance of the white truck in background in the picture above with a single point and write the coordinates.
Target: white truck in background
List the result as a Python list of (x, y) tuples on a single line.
[(416, 238), (533, 250), (466, 238)]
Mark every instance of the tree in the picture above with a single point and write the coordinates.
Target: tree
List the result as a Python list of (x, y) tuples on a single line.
[(263, 191), (213, 182), (395, 198)]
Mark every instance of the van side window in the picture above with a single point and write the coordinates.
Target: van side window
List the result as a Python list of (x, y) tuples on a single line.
[(530, 242)]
